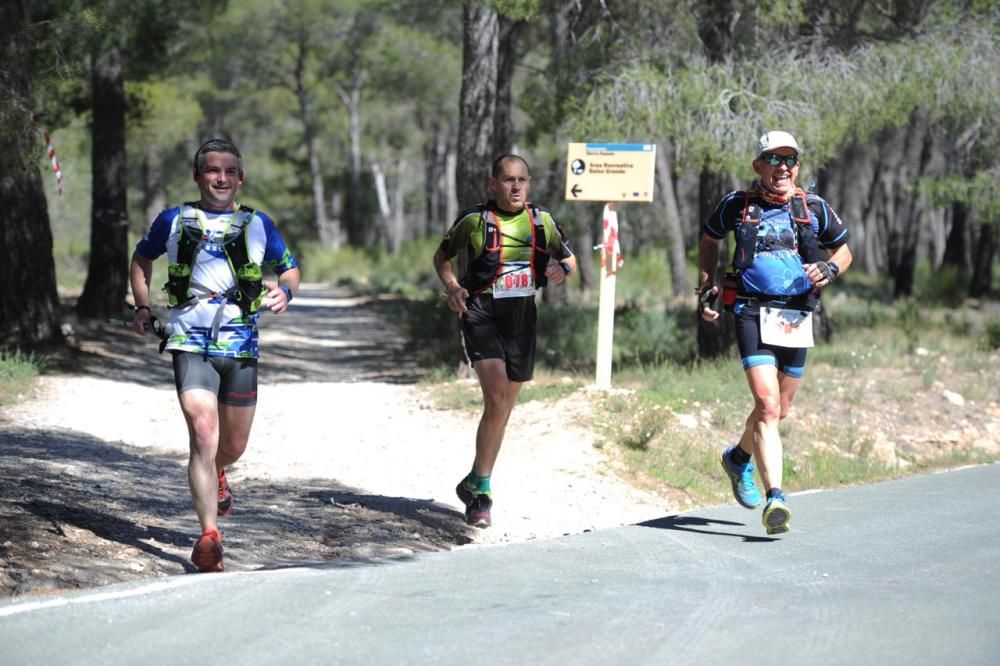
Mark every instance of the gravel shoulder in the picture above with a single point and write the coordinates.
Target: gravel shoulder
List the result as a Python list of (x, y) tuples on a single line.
[(348, 461)]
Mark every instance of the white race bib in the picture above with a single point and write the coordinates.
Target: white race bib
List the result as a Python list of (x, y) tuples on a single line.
[(515, 281), (786, 328)]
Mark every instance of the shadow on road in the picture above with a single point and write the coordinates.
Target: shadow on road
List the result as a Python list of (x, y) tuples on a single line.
[(689, 523)]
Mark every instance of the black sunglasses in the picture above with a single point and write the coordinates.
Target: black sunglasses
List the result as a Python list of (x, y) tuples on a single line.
[(774, 159)]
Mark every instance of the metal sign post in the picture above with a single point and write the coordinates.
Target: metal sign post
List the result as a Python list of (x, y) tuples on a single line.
[(609, 172)]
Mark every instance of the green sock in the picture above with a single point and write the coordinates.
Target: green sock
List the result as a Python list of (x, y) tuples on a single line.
[(478, 484)]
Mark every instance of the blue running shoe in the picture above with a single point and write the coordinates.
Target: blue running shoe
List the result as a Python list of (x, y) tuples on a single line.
[(776, 515), (741, 476)]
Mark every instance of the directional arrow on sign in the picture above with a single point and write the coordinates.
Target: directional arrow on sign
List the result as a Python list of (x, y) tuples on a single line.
[(576, 190)]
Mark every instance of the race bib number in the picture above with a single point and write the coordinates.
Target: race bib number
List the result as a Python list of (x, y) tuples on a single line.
[(515, 281), (786, 328)]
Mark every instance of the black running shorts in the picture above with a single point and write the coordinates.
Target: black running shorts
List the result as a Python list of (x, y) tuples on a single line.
[(233, 380), (502, 328), (790, 361)]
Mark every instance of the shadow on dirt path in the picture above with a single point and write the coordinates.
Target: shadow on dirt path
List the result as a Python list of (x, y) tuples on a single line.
[(78, 512)]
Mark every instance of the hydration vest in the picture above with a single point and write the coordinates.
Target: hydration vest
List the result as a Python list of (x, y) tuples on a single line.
[(248, 291), (484, 270), (746, 241)]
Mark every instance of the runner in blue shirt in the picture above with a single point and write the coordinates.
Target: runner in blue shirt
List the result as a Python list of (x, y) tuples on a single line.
[(789, 246), (216, 251)]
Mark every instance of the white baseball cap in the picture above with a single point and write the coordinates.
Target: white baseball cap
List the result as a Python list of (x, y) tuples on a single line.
[(777, 139)]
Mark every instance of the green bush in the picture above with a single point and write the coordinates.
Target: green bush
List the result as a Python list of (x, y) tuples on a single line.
[(567, 337), (946, 285), (911, 322), (990, 340), (409, 273), (17, 372)]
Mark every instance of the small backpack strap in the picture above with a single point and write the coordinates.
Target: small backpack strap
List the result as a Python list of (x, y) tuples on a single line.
[(539, 246), (746, 241), (189, 238), (249, 279), (808, 245)]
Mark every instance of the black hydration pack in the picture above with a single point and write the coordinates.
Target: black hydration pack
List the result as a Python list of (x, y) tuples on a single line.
[(249, 289), (484, 270), (746, 242)]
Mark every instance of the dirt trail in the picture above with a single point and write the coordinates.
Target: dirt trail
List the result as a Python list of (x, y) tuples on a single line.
[(347, 461)]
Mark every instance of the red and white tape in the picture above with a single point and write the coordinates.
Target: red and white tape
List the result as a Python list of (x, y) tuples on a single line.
[(611, 256), (55, 161)]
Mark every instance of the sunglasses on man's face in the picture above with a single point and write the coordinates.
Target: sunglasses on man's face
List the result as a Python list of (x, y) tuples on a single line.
[(775, 159)]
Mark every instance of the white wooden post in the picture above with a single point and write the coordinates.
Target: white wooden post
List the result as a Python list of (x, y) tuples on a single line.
[(606, 313)]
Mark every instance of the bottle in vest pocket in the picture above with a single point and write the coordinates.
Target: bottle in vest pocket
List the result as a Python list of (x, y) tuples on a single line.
[(729, 287)]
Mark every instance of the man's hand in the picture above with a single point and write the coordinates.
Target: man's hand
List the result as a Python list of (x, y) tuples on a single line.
[(706, 294), (457, 296), (556, 272), (141, 321), (822, 273), (276, 299)]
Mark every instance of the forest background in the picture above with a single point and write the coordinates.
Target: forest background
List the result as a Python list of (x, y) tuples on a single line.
[(366, 125)]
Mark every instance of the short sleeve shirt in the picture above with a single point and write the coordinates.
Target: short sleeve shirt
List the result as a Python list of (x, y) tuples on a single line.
[(776, 268), (211, 324), (468, 233)]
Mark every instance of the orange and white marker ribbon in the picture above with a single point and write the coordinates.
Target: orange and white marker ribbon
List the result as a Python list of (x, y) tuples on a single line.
[(611, 255), (55, 161)]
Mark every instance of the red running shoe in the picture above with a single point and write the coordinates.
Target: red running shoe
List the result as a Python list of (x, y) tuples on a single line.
[(207, 554), (225, 496)]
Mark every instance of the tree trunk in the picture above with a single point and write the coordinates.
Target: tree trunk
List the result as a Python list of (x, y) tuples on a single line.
[(676, 251), (154, 197), (477, 102), (107, 272), (358, 233), (28, 309), (956, 251), (910, 225), (503, 126), (329, 235), (390, 213), (714, 338), (584, 251), (982, 268), (398, 227), (382, 197), (451, 183), (28, 312), (435, 179)]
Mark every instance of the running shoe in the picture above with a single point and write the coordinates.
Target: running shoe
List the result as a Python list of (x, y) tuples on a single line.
[(776, 515), (741, 476), (477, 506), (225, 496), (207, 553)]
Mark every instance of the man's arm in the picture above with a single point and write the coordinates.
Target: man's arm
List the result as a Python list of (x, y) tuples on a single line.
[(140, 273), (457, 294), (708, 261)]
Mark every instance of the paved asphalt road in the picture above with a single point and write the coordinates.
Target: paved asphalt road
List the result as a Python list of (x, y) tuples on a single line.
[(903, 572)]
